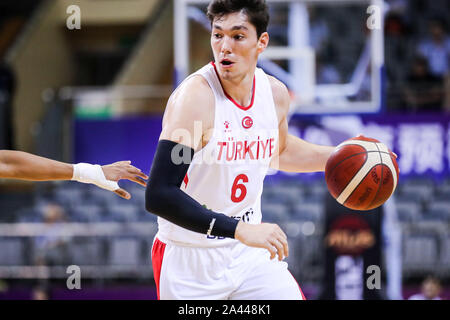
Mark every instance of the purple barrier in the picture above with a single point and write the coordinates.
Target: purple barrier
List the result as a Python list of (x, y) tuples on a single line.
[(134, 292), (20, 293), (110, 293), (422, 142), (117, 292), (107, 141)]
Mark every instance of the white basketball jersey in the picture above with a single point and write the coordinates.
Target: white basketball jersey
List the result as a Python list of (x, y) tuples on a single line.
[(227, 175)]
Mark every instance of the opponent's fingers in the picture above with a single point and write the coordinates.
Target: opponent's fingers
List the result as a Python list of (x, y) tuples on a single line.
[(122, 163), (138, 172), (133, 178), (139, 181), (126, 165), (142, 175), (122, 193)]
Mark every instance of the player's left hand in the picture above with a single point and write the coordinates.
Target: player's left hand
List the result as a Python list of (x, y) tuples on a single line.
[(264, 235), (124, 170)]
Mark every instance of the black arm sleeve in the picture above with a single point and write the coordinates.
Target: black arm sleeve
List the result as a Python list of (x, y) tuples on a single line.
[(164, 197)]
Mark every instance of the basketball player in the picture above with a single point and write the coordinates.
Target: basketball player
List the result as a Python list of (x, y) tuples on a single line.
[(223, 127), (26, 166)]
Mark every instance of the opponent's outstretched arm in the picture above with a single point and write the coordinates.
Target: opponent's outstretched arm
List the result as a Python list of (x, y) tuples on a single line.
[(26, 166)]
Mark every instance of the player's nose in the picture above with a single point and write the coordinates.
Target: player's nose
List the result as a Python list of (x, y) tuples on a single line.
[(226, 45)]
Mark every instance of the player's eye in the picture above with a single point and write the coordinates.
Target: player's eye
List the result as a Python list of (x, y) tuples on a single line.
[(217, 35), (238, 37)]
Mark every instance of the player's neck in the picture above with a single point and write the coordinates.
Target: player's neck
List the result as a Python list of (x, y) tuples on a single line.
[(240, 89)]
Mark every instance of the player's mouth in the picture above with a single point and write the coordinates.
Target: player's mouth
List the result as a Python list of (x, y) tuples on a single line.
[(225, 63)]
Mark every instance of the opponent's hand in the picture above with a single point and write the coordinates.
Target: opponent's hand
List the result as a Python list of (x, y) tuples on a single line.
[(124, 170), (264, 235)]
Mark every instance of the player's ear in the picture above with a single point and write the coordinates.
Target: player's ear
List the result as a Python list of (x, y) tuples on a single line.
[(263, 42)]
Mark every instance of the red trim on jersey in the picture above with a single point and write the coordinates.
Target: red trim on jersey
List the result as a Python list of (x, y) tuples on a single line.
[(303, 296), (230, 98), (157, 259), (186, 180)]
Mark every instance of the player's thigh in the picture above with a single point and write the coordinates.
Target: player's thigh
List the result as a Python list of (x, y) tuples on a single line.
[(269, 280), (192, 274)]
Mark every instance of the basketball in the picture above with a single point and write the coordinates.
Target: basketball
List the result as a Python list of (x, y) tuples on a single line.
[(361, 173)]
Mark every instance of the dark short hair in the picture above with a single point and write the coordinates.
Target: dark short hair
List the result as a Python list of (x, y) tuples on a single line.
[(438, 19), (256, 11), (433, 278)]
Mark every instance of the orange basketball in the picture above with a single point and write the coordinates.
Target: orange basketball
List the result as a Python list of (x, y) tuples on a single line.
[(361, 173)]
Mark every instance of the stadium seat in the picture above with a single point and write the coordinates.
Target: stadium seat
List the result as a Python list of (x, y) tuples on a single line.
[(275, 212), (318, 188), (436, 215), (104, 197), (441, 208), (442, 191), (145, 216), (28, 215), (418, 181), (68, 196), (309, 210), (137, 196), (445, 252), (86, 251), (122, 213), (408, 197), (285, 194), (420, 251), (124, 251), (418, 191), (86, 213), (408, 211), (11, 252)]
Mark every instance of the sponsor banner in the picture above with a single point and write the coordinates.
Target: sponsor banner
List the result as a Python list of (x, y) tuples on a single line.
[(352, 244), (422, 142)]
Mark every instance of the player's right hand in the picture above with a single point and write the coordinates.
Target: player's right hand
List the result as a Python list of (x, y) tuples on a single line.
[(263, 235)]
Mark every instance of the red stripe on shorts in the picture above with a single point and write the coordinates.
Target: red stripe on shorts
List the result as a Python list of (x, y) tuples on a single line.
[(157, 259), (303, 296), (186, 180)]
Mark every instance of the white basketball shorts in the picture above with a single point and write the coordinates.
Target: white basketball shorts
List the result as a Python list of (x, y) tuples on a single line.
[(235, 271)]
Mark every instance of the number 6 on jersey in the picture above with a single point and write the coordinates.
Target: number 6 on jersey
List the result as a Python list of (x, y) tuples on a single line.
[(239, 186)]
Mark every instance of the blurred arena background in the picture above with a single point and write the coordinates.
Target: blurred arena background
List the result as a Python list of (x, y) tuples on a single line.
[(95, 92)]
